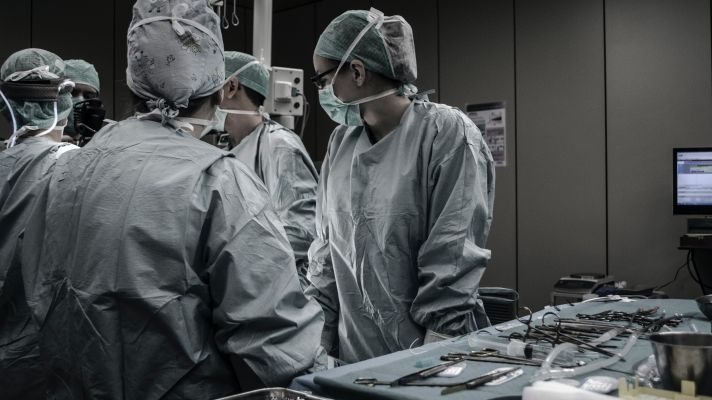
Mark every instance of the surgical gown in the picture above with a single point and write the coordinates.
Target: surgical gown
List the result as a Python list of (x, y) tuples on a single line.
[(279, 158), (22, 169), (159, 269), (401, 232)]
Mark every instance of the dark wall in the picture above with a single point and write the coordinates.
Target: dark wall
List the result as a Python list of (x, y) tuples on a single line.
[(597, 92), (561, 153), (477, 66), (658, 85)]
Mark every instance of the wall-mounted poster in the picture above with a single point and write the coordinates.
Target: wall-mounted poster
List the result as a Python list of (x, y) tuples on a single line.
[(491, 119)]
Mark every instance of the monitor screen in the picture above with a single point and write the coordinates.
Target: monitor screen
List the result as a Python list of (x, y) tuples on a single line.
[(692, 181)]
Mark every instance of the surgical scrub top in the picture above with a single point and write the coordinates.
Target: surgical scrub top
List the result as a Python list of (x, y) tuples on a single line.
[(23, 167), (401, 230), (280, 160), (159, 269)]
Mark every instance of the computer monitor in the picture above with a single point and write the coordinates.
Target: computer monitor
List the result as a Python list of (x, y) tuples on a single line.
[(692, 181)]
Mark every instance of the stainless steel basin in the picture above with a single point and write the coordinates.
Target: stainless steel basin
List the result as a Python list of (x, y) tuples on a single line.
[(704, 303), (684, 356)]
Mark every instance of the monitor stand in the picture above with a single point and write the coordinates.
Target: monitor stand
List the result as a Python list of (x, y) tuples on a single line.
[(702, 225)]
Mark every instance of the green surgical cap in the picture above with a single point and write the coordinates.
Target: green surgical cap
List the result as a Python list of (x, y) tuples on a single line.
[(175, 53), (46, 65), (386, 48), (82, 72), (255, 76)]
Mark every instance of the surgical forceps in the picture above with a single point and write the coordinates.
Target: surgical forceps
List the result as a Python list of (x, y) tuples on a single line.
[(411, 379), (490, 355)]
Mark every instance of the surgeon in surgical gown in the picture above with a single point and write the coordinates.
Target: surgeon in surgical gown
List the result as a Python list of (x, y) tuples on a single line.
[(32, 153), (404, 204), (158, 269), (275, 153)]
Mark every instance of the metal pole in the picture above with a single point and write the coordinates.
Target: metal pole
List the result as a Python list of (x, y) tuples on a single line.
[(262, 31)]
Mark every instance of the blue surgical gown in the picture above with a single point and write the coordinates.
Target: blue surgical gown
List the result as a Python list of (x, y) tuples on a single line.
[(159, 270), (280, 160), (22, 170), (402, 226)]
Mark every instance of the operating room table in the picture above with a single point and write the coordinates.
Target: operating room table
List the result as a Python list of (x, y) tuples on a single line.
[(339, 383)]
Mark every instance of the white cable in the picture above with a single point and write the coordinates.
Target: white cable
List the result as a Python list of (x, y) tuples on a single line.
[(548, 372), (416, 350), (12, 114)]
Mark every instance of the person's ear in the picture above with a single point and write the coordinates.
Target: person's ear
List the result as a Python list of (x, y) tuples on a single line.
[(231, 87), (358, 72)]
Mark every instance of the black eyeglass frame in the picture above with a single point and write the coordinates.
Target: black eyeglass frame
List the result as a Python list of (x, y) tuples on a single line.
[(316, 79)]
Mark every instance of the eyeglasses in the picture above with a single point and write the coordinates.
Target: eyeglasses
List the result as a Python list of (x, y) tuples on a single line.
[(316, 79)]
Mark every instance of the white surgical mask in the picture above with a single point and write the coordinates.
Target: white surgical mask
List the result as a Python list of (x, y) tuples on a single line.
[(221, 115), (189, 124)]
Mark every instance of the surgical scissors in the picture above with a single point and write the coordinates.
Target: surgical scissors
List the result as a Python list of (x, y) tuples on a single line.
[(410, 379), (494, 356), (376, 382), (490, 355)]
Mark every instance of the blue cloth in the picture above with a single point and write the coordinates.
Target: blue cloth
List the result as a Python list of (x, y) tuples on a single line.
[(340, 380), (402, 226)]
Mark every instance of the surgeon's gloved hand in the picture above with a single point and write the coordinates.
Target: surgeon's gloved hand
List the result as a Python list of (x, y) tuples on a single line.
[(68, 139)]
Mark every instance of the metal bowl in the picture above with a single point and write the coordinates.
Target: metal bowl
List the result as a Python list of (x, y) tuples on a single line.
[(704, 303), (684, 356), (273, 394)]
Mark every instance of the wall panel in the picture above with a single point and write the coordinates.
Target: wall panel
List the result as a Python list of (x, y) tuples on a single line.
[(561, 204), (659, 85), (477, 66)]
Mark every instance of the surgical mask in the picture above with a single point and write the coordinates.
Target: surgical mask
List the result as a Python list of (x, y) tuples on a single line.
[(343, 113), (349, 113), (221, 116), (209, 124)]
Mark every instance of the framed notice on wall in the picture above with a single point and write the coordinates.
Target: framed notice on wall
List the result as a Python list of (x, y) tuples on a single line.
[(491, 120)]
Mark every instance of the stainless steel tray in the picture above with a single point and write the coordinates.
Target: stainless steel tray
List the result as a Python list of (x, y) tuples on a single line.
[(273, 394)]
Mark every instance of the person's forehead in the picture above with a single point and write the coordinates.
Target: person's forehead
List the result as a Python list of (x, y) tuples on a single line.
[(322, 64), (84, 88)]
